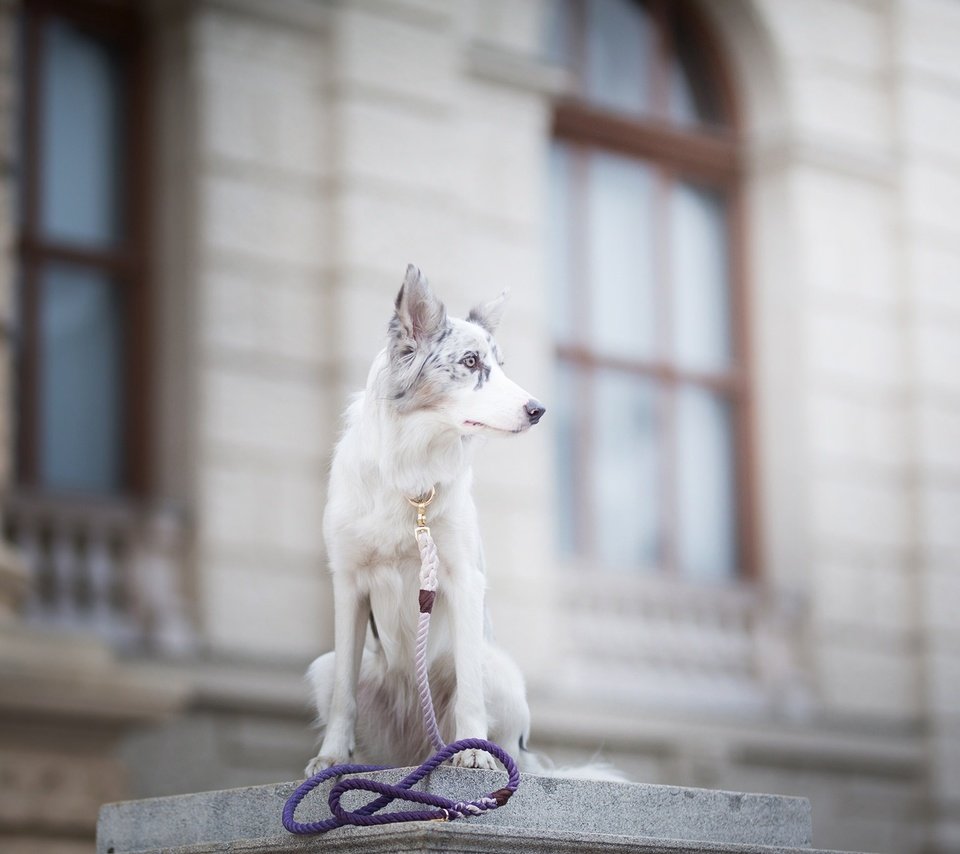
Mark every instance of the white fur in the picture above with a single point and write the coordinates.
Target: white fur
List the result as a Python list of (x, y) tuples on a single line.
[(365, 692)]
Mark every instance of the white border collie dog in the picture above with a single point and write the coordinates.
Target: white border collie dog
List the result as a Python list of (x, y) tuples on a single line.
[(437, 386)]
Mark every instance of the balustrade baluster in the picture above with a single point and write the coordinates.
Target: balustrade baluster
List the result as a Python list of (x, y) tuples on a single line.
[(101, 572), (66, 566), (82, 559), (25, 535)]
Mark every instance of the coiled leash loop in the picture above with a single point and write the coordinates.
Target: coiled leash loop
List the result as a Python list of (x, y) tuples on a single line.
[(446, 809)]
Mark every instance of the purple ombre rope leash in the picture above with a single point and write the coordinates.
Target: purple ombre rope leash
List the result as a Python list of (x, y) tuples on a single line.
[(447, 810)]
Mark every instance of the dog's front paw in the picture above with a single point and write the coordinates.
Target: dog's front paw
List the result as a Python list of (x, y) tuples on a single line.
[(474, 759), (321, 762)]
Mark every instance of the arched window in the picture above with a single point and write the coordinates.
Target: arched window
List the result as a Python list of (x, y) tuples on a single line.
[(647, 281)]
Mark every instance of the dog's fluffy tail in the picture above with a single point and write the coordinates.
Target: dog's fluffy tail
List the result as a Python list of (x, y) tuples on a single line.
[(536, 763)]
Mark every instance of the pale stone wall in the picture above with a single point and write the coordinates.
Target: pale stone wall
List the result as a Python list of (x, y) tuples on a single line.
[(309, 150), (928, 106), (417, 132), (439, 163), (262, 274), (845, 201), (848, 155), (326, 158)]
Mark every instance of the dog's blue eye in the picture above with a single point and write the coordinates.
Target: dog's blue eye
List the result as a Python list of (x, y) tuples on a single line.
[(469, 361)]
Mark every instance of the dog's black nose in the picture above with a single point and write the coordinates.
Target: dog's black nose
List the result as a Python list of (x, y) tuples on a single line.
[(534, 410)]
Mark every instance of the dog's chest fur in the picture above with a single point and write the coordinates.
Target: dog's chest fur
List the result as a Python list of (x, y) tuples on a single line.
[(389, 574)]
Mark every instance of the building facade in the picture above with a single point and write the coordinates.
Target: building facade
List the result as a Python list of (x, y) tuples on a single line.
[(208, 208)]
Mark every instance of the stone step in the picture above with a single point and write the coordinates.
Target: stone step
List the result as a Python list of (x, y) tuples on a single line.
[(546, 814)]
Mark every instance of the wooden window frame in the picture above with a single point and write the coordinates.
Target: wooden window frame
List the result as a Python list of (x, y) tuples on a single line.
[(707, 156), (127, 264)]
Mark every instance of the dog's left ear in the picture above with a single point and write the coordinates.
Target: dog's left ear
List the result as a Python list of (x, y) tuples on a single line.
[(488, 314), (419, 314)]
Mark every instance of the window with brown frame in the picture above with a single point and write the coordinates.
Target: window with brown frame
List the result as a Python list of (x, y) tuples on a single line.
[(82, 330), (647, 278)]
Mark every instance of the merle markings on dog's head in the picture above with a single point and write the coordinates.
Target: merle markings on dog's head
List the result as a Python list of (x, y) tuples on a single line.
[(453, 367)]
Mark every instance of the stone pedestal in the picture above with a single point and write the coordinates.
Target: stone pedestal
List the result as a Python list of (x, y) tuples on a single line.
[(546, 814)]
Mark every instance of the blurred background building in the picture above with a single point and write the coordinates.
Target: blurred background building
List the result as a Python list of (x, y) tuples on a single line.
[(729, 557)]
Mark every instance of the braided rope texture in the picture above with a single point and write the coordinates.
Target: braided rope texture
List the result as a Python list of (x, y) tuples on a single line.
[(365, 816), (429, 560), (446, 809)]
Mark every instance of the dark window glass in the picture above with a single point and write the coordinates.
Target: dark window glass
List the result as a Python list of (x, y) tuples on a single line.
[(81, 148), (81, 380)]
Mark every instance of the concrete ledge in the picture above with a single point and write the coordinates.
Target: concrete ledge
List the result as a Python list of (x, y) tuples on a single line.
[(546, 814)]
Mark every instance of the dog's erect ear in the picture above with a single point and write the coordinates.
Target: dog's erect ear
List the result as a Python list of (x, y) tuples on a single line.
[(419, 314), (488, 315)]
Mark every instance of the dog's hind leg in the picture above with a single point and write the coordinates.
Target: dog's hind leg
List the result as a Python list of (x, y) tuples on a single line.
[(320, 676)]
